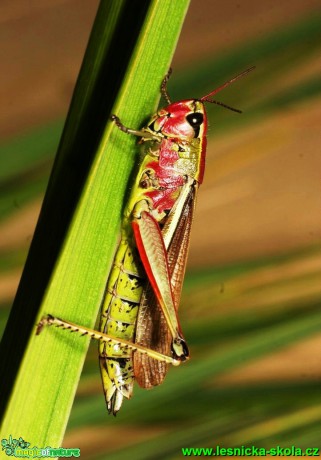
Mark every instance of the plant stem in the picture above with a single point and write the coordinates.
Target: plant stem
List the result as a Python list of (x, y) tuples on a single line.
[(129, 52)]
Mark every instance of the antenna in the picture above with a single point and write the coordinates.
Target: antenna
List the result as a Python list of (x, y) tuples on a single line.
[(212, 101)]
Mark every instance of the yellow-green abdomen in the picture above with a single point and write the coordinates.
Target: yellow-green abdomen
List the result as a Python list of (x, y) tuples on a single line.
[(118, 319)]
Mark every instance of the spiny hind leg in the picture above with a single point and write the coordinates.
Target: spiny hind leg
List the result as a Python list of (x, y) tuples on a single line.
[(103, 338), (116, 371)]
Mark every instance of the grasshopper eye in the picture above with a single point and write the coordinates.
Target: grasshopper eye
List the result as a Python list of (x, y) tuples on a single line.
[(195, 119)]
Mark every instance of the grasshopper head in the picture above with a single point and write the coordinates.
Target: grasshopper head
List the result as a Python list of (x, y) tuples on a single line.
[(184, 120)]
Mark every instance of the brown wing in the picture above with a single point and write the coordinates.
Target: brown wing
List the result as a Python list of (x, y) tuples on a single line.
[(151, 327)]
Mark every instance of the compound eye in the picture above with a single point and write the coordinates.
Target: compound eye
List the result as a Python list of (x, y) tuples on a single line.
[(195, 119)]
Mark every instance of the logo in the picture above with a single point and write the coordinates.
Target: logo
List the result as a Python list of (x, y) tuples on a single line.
[(20, 448)]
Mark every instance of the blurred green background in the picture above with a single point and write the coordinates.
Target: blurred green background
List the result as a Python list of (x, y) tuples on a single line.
[(251, 304)]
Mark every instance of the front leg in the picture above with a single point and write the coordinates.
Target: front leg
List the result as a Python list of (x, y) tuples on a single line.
[(139, 133)]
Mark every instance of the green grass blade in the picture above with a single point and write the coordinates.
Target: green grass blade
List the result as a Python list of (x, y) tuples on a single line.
[(68, 263)]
